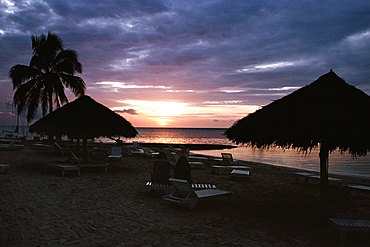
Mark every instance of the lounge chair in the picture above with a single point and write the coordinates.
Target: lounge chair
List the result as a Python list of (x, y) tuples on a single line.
[(59, 148), (130, 150), (220, 169), (99, 153), (196, 164), (116, 153), (358, 204), (11, 145), (150, 153), (136, 145), (185, 194), (345, 225), (4, 167), (7, 146), (63, 168), (86, 165), (40, 145), (193, 164), (306, 177), (72, 156), (169, 188), (228, 159), (240, 174)]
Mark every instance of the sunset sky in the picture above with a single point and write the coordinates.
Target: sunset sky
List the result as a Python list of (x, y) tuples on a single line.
[(191, 63)]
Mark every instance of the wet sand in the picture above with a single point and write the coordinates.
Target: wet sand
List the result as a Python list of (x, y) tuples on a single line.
[(115, 208)]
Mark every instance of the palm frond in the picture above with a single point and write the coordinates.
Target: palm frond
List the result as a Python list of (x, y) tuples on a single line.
[(67, 62), (75, 84), (39, 63), (21, 73), (60, 97), (42, 83)]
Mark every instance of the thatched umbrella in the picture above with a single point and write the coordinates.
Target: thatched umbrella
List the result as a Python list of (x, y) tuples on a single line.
[(328, 113), (84, 118)]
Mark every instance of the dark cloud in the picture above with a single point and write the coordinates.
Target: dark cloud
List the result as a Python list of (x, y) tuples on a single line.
[(204, 46), (128, 111)]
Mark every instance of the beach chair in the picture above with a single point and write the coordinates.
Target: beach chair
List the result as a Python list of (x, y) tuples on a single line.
[(14, 144), (358, 205), (7, 146), (59, 148), (72, 156), (221, 169), (4, 167), (136, 145), (41, 145), (169, 188), (80, 165), (228, 159), (115, 153), (63, 167), (150, 153), (184, 194), (196, 164), (240, 174), (193, 164), (130, 150), (345, 225)]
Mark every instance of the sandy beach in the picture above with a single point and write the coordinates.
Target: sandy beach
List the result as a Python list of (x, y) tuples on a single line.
[(115, 208)]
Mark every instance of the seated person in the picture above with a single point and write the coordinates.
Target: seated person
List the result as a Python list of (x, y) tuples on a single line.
[(182, 169), (161, 169)]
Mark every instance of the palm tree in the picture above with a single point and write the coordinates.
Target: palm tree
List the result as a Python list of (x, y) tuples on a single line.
[(42, 82)]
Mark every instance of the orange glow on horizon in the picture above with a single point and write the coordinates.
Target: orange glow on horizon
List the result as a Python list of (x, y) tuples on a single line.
[(182, 115)]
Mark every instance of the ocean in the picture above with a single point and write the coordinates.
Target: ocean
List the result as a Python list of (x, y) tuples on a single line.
[(341, 164)]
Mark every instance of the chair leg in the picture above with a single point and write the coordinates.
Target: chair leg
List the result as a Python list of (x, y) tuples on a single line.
[(192, 203)]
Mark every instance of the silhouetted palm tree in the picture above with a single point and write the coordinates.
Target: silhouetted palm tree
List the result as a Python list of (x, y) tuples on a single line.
[(42, 82)]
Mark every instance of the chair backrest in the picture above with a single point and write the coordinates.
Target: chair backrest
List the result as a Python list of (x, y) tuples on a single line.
[(185, 151), (72, 155), (227, 156), (182, 188), (116, 151), (57, 145), (10, 145), (136, 144)]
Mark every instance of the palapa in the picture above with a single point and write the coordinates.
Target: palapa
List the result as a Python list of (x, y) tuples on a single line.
[(84, 118), (328, 113)]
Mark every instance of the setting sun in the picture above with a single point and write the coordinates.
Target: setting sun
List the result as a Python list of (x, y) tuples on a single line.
[(180, 114), (163, 121), (166, 109)]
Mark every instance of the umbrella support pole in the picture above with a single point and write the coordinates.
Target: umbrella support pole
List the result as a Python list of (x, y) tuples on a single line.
[(324, 159), (84, 151)]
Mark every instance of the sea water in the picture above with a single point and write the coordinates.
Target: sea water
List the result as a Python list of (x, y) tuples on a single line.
[(342, 164)]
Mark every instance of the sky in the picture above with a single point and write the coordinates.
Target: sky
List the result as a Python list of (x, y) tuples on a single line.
[(191, 63)]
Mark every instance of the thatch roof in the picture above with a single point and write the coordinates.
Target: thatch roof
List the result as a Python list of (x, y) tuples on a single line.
[(84, 118), (326, 111)]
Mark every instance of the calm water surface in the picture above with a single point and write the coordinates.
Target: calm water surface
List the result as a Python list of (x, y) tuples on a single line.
[(338, 164), (343, 164)]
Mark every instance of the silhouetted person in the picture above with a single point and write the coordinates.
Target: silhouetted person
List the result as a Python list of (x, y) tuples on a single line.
[(182, 169), (161, 169)]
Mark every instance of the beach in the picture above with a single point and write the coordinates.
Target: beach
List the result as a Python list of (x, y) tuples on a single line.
[(115, 209)]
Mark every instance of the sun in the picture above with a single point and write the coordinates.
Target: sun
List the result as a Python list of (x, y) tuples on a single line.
[(167, 109), (161, 112), (163, 121)]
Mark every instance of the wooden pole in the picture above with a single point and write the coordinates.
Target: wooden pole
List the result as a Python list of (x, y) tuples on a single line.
[(324, 160), (84, 151)]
